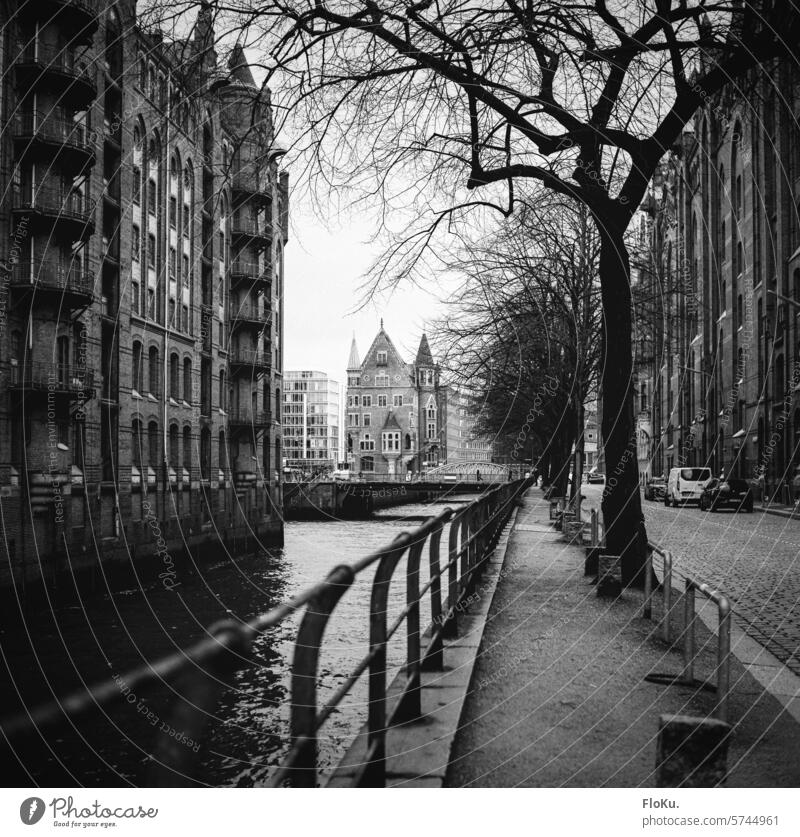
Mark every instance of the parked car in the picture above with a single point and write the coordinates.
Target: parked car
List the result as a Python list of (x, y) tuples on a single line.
[(730, 493), (340, 475), (596, 476), (655, 488), (685, 485)]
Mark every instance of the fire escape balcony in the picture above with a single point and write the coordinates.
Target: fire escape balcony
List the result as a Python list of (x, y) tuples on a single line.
[(52, 136), (76, 18), (68, 286), (251, 185), (245, 418), (249, 274), (250, 316), (55, 207), (61, 379), (57, 68), (247, 231), (244, 361)]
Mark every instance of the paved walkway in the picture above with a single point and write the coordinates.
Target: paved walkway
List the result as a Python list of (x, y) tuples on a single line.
[(558, 696)]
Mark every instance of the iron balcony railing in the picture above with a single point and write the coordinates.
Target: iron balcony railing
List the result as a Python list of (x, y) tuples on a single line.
[(45, 275), (241, 271), (241, 416), (251, 183), (52, 376), (78, 17), (248, 357), (61, 204), (251, 229), (203, 670), (250, 315), (53, 129), (60, 61)]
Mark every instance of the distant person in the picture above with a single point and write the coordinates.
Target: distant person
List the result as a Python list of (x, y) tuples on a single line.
[(478, 475)]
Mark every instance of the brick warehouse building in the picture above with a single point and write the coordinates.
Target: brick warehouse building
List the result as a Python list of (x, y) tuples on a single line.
[(141, 330), (401, 417), (718, 342)]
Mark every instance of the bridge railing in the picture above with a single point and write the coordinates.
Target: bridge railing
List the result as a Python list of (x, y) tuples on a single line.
[(204, 670)]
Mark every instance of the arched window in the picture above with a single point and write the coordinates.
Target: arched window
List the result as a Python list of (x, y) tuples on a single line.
[(205, 453), (174, 382), (62, 359), (408, 441), (223, 401), (174, 446), (136, 443), (223, 452), (137, 370), (153, 372), (113, 48), (187, 448), (187, 380), (153, 454)]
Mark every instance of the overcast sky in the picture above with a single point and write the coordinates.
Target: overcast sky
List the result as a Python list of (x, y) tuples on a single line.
[(324, 267)]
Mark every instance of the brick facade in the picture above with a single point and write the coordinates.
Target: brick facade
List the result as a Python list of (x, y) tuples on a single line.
[(142, 329)]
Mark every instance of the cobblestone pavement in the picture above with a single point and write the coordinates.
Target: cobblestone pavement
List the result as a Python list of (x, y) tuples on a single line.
[(753, 558)]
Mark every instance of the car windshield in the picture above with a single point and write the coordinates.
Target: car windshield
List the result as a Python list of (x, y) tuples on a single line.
[(694, 474)]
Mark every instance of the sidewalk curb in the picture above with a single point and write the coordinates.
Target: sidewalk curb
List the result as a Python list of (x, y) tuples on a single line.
[(771, 674)]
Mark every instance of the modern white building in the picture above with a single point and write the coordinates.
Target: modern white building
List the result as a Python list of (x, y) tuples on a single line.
[(311, 421)]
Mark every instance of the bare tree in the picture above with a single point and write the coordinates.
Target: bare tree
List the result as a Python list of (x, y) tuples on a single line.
[(406, 100), (523, 332)]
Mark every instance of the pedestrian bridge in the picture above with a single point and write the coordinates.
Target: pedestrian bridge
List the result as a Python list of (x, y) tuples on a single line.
[(363, 493)]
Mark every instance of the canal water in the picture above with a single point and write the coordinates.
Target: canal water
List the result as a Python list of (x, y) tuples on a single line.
[(114, 630)]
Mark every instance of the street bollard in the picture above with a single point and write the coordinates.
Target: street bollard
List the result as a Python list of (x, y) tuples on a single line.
[(595, 530), (667, 595), (647, 612)]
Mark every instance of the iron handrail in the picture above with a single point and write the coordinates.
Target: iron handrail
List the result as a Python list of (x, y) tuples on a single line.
[(723, 603), (205, 665)]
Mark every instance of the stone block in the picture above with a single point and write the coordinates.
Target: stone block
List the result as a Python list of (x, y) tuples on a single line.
[(609, 576), (691, 752)]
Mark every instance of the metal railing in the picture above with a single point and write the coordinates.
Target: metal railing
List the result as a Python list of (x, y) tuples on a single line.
[(251, 229), (53, 200), (58, 377), (689, 649), (58, 59), (50, 275), (204, 668), (259, 418), (53, 128), (249, 357)]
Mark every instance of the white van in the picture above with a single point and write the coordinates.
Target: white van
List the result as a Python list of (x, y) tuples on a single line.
[(685, 485)]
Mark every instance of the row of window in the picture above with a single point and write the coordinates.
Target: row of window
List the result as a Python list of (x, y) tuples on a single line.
[(380, 400), (365, 419)]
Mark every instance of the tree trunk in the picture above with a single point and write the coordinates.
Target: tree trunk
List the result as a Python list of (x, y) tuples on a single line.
[(621, 503)]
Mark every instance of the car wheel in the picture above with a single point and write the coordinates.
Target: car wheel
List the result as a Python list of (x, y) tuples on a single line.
[(674, 502), (666, 500), (702, 504)]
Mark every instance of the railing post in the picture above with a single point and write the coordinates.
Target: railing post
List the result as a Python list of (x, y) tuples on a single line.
[(302, 769), (647, 613), (724, 654), (375, 771), (412, 701), (451, 618), (688, 637), (434, 659), (667, 595)]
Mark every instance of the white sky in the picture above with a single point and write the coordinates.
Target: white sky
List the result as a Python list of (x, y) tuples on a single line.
[(325, 262)]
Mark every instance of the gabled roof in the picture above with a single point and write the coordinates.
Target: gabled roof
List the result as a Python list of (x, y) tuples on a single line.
[(391, 422), (424, 356), (354, 362), (383, 335)]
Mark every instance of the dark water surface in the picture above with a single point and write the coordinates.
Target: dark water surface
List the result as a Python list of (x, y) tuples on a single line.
[(116, 628)]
